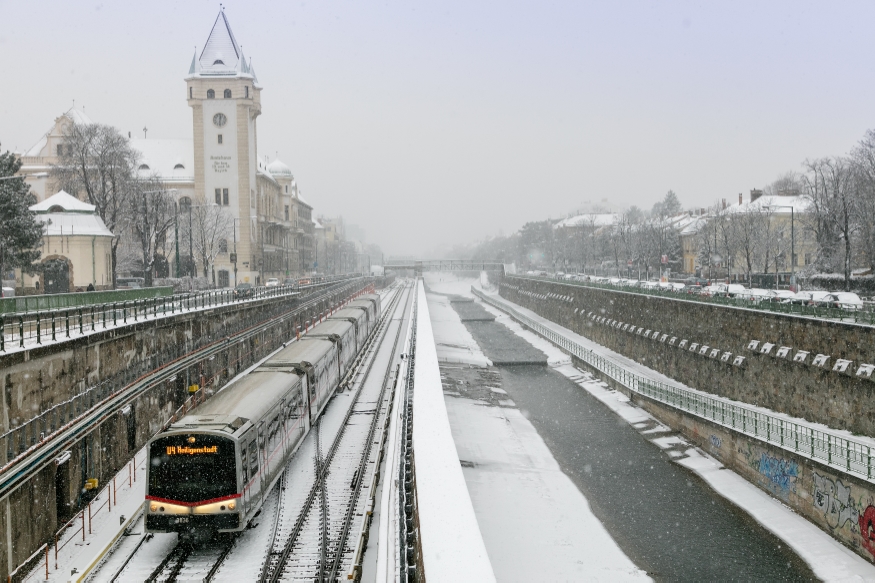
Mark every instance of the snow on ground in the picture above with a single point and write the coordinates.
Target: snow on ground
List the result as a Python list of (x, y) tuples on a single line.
[(536, 524), (454, 342), (829, 559)]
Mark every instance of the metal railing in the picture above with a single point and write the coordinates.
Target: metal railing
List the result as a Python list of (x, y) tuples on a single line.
[(838, 452), (45, 302), (860, 316), (42, 326)]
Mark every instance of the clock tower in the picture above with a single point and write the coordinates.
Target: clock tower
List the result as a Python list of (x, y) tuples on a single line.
[(225, 99)]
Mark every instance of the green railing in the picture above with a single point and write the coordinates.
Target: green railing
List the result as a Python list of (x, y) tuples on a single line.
[(838, 452), (862, 316), (42, 303)]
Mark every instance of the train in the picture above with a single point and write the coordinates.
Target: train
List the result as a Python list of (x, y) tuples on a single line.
[(210, 471)]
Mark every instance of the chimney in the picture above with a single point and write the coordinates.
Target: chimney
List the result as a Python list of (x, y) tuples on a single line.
[(755, 194), (724, 204), (739, 198)]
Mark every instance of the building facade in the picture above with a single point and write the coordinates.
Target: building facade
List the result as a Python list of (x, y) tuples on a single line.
[(267, 229)]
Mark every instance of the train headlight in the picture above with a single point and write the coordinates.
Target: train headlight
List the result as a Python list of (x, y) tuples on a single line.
[(232, 505), (153, 507)]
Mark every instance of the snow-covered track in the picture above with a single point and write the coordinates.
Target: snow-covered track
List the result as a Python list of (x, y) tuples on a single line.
[(315, 548)]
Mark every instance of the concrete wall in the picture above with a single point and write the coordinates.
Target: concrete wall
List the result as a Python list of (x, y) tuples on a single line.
[(842, 505), (839, 400), (34, 380)]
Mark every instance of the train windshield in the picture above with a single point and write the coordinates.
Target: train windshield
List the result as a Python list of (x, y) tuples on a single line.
[(192, 467)]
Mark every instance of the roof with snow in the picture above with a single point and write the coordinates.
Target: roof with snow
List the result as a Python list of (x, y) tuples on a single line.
[(588, 219), (67, 216), (167, 158), (62, 202), (221, 54), (73, 114), (778, 204), (277, 168)]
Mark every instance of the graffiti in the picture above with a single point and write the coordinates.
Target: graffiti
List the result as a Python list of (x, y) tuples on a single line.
[(780, 474), (716, 441), (867, 529), (834, 500)]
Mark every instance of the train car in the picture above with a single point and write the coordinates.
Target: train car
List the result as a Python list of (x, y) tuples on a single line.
[(359, 318), (370, 306), (374, 299), (318, 360), (209, 471), (343, 334)]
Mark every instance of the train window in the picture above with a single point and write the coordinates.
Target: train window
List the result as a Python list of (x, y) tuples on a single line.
[(243, 466), (253, 457)]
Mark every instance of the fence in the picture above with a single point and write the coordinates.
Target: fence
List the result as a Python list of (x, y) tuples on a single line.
[(861, 316), (848, 455), (43, 326), (41, 303)]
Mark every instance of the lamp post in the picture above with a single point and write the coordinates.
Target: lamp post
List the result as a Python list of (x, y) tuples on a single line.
[(792, 242)]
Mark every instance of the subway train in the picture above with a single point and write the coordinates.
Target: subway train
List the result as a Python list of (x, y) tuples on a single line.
[(210, 471)]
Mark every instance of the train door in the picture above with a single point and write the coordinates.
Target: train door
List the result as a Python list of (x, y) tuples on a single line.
[(247, 444)]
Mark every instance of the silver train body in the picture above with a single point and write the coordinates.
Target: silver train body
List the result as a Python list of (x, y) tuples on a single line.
[(210, 471)]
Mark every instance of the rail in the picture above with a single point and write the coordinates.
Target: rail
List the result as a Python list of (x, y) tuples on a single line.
[(861, 316), (35, 327), (836, 451)]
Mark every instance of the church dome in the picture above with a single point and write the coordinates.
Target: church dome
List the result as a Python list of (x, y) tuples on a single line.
[(277, 168)]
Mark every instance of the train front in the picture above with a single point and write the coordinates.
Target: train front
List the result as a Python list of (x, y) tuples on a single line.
[(192, 484)]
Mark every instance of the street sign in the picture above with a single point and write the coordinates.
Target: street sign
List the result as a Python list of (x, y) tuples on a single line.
[(233, 258)]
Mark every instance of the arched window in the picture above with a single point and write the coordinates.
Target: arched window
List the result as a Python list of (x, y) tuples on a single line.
[(247, 92), (56, 209), (211, 94), (179, 167), (184, 204), (227, 94), (218, 62), (144, 167)]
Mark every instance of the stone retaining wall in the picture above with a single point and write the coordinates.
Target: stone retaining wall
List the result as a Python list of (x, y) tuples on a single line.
[(839, 400)]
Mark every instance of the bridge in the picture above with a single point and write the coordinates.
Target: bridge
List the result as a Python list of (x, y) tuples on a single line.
[(419, 266)]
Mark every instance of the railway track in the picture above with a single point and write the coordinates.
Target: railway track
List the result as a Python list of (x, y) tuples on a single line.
[(310, 513), (315, 547)]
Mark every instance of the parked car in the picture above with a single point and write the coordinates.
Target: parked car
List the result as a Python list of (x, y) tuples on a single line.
[(730, 290), (843, 300), (693, 289), (806, 298), (710, 290), (779, 295), (244, 290), (700, 281), (272, 282), (754, 295)]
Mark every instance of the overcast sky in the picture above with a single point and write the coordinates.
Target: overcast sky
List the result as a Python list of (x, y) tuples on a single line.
[(435, 123)]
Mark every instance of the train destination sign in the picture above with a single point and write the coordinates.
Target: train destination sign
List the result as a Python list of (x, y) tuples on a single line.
[(186, 450)]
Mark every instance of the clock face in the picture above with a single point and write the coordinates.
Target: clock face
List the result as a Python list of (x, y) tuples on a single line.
[(219, 119)]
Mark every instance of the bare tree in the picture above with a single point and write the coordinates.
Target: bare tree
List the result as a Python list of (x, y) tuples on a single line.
[(154, 209), (863, 157), (98, 161), (211, 227), (749, 226), (830, 186)]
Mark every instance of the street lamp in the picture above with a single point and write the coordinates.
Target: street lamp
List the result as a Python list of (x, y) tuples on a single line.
[(792, 242)]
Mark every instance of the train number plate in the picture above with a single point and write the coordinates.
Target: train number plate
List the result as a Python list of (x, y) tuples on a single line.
[(182, 520)]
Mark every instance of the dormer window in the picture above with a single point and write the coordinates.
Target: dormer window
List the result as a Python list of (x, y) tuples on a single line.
[(227, 94), (247, 91), (144, 167), (211, 94), (218, 62), (179, 167), (56, 209)]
